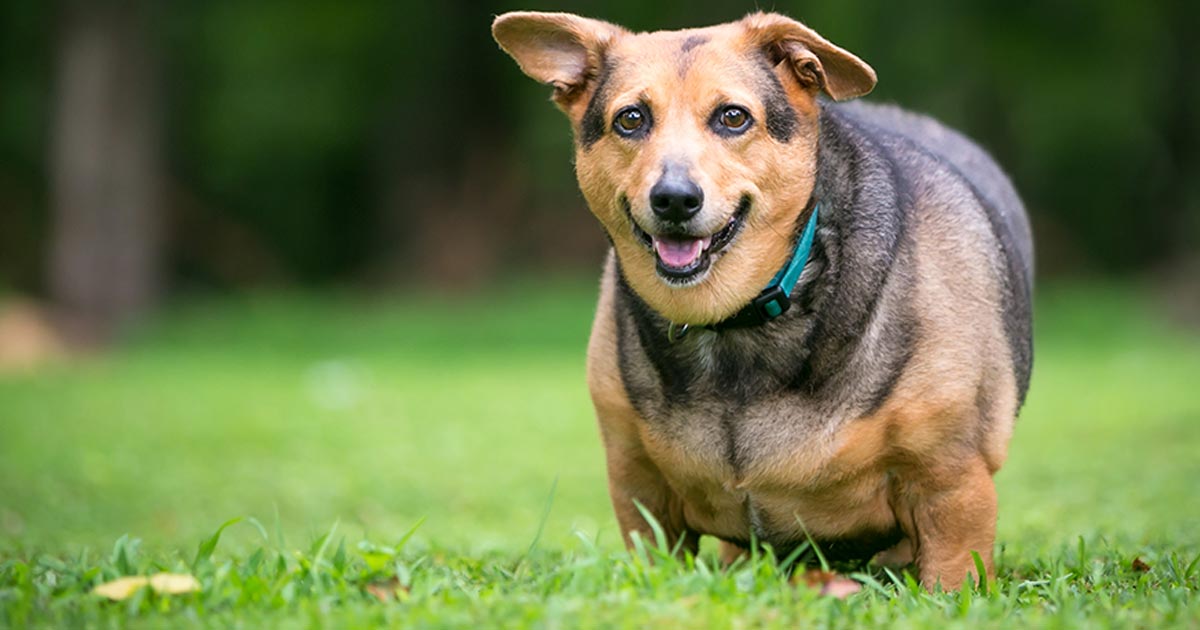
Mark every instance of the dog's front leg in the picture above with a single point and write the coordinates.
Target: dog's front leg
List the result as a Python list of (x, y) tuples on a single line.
[(951, 514), (634, 479)]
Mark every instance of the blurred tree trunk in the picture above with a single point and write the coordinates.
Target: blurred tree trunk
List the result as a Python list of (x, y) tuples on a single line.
[(105, 173), (458, 206), (1183, 138)]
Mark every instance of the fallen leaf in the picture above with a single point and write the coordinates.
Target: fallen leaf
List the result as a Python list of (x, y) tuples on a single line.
[(1139, 566), (174, 583), (830, 584), (386, 591), (121, 588), (161, 583), (813, 578)]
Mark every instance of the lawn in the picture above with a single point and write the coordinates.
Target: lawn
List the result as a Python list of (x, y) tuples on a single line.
[(335, 426)]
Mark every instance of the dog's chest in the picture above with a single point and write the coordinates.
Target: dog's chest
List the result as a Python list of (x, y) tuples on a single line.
[(746, 454), (734, 406), (767, 470), (736, 438)]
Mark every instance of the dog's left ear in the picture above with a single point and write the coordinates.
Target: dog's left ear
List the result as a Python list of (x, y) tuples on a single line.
[(817, 63)]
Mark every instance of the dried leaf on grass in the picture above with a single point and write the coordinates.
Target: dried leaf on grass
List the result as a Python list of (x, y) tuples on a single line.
[(830, 584), (121, 588), (387, 591), (161, 583)]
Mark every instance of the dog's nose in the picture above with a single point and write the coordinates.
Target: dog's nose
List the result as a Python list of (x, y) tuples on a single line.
[(675, 197)]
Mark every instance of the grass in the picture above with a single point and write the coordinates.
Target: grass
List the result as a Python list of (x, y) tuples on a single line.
[(336, 426)]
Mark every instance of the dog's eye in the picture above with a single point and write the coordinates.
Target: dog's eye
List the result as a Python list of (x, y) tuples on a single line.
[(734, 118), (629, 120)]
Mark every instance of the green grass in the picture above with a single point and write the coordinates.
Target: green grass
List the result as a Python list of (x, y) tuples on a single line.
[(337, 425)]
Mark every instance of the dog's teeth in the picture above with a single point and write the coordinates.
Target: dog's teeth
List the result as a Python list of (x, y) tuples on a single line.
[(705, 242)]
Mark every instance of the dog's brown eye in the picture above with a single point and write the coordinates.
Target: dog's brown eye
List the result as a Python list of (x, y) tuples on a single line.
[(734, 118), (630, 120)]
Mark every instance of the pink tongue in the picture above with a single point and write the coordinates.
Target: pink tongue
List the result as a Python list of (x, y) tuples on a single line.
[(678, 253)]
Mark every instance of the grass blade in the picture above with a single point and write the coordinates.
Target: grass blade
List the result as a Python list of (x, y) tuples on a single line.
[(660, 535), (262, 531), (409, 534), (981, 571), (816, 548), (876, 585), (792, 557), (320, 552), (537, 536), (209, 545)]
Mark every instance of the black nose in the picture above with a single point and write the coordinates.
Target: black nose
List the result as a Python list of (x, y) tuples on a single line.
[(675, 197)]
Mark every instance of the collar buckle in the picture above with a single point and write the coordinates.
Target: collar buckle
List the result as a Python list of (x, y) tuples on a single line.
[(771, 303)]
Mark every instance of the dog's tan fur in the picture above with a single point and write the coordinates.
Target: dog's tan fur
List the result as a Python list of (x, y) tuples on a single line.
[(923, 460)]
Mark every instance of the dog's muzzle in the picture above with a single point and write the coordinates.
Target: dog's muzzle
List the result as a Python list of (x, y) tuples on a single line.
[(682, 258)]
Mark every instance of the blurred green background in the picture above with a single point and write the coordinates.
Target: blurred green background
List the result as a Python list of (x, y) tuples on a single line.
[(306, 245), (389, 143)]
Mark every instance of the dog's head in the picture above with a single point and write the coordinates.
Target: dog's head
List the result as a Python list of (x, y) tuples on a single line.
[(696, 149)]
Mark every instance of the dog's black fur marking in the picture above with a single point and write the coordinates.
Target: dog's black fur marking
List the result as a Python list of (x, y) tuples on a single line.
[(729, 430), (685, 58), (890, 230), (781, 118), (675, 377), (594, 123), (905, 340), (852, 548), (692, 42), (727, 376), (861, 247)]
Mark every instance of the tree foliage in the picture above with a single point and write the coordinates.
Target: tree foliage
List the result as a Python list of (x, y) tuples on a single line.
[(313, 141)]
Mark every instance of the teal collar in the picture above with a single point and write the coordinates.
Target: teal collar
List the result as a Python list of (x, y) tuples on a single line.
[(779, 291), (776, 298)]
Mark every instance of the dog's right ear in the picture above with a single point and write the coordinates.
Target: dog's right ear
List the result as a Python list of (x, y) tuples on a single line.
[(558, 49), (817, 63)]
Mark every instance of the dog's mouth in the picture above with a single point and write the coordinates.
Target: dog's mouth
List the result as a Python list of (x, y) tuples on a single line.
[(682, 258)]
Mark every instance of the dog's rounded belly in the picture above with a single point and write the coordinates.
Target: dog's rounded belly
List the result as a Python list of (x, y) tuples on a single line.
[(738, 480), (853, 516)]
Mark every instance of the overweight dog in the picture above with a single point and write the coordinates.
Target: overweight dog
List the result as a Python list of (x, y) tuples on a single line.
[(814, 322)]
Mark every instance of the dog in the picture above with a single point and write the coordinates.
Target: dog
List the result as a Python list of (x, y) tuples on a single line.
[(814, 321)]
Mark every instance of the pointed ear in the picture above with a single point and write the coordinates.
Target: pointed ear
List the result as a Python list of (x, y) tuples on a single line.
[(818, 64), (559, 49)]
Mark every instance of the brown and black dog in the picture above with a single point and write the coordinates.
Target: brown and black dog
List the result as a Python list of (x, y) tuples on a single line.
[(864, 397)]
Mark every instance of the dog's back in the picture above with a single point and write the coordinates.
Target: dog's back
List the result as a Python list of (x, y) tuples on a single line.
[(994, 193)]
